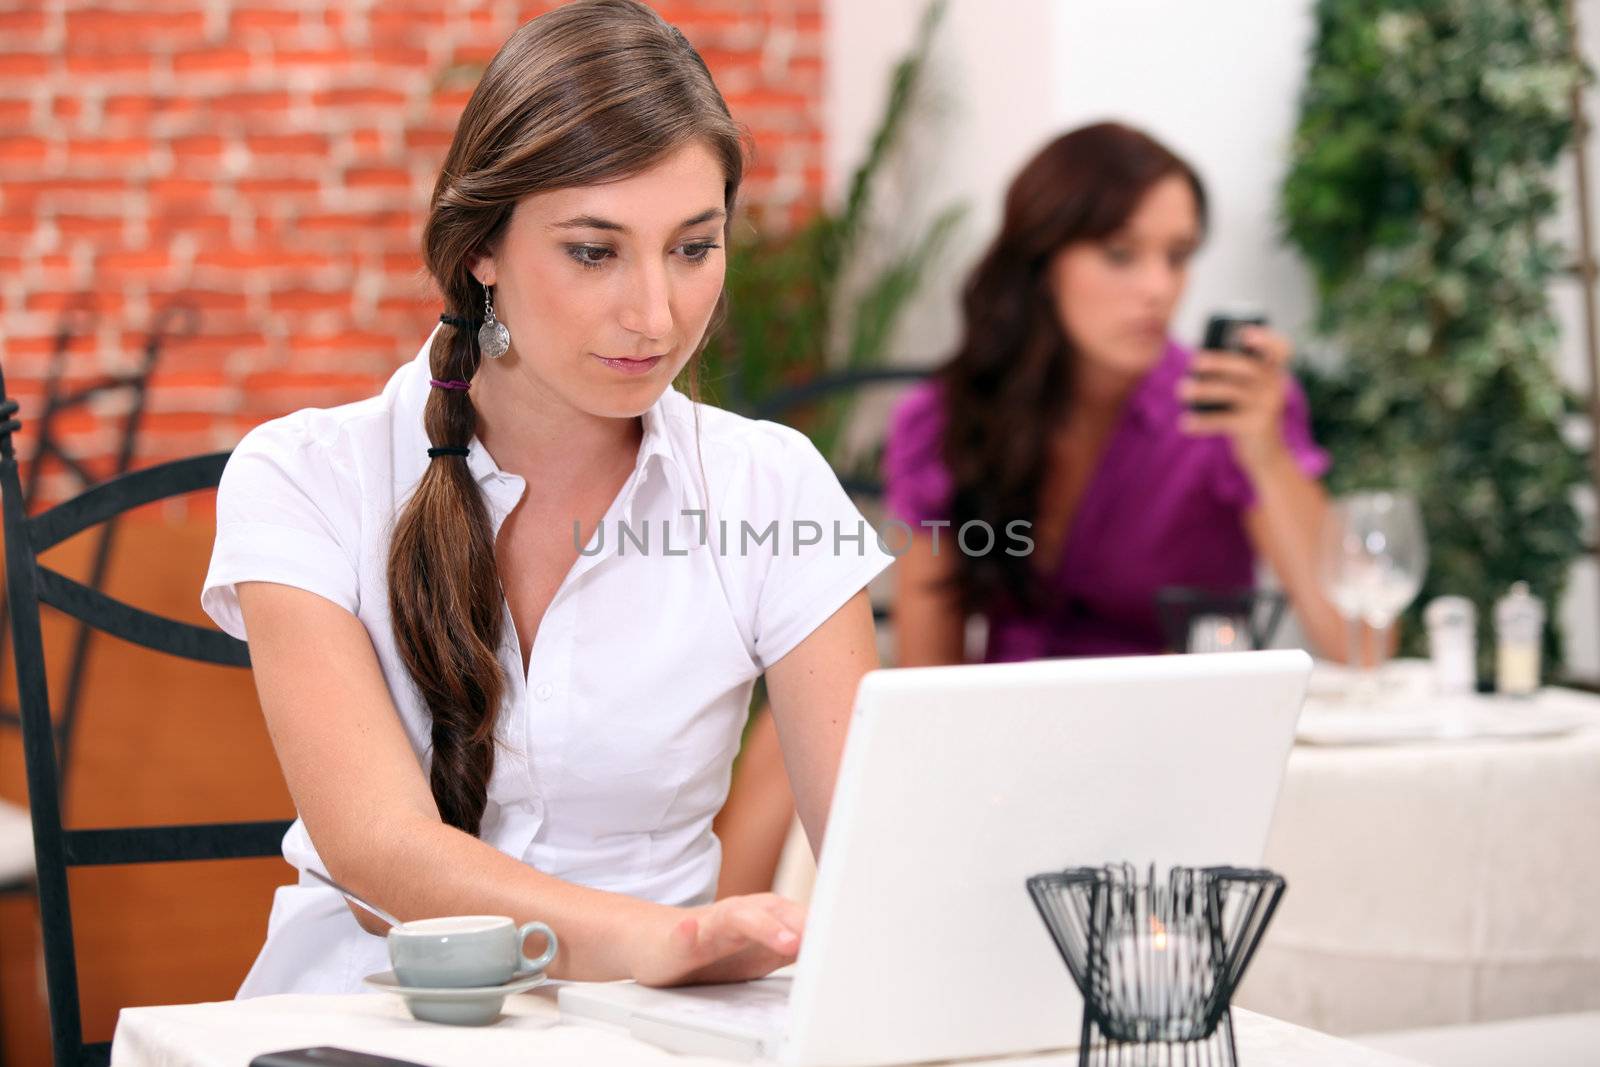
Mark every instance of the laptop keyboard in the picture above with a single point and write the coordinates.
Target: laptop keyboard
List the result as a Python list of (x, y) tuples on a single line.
[(757, 1007)]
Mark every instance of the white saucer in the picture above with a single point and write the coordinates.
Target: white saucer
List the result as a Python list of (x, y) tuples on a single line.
[(459, 1006)]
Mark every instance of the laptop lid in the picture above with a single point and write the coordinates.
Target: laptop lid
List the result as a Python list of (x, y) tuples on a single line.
[(957, 783)]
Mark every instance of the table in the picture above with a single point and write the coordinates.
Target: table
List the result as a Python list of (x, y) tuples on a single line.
[(1436, 883), (230, 1033)]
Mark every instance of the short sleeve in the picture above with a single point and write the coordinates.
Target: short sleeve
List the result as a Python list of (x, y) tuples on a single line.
[(284, 516), (824, 551), (1232, 484), (916, 483)]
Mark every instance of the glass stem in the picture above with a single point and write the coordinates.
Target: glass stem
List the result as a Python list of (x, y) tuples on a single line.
[(1377, 637)]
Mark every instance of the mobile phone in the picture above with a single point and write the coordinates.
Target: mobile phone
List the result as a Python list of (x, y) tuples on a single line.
[(1222, 335), (326, 1056)]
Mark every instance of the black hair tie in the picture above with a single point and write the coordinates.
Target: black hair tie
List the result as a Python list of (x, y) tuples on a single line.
[(448, 450), (460, 322)]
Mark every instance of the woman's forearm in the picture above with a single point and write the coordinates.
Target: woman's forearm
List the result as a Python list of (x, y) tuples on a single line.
[(418, 868), (1286, 527)]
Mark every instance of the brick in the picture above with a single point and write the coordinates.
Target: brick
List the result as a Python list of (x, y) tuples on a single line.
[(211, 61), (400, 56), (169, 380), (216, 227), (24, 64), (285, 186), (376, 178), (66, 108), (353, 222), (259, 259), (309, 300), (362, 96), (288, 59), (140, 261), (21, 22), (341, 343), (432, 139), (268, 21), (168, 193), (400, 306), (197, 146), (145, 107), (407, 22), (15, 112), (152, 26), (249, 103), (109, 149), (295, 144), (19, 150), (98, 226), (402, 262), (202, 299), (106, 302), (91, 63)]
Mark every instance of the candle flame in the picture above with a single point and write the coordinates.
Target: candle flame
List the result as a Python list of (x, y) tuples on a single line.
[(1158, 934)]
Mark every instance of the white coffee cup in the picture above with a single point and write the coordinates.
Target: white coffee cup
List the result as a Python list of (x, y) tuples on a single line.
[(465, 950)]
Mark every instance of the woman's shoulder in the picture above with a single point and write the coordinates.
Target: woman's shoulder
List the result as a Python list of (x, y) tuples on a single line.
[(314, 449)]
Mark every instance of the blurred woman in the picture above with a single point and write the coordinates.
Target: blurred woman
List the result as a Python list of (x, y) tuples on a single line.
[(1066, 409), (1067, 406)]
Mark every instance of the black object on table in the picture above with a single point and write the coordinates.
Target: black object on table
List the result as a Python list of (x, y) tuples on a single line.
[(1259, 610), (1157, 962), (327, 1056)]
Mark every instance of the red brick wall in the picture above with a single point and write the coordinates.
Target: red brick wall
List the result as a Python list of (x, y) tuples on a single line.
[(269, 163)]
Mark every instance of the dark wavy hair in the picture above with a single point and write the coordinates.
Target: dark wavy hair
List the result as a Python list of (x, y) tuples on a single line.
[(1005, 389), (590, 92)]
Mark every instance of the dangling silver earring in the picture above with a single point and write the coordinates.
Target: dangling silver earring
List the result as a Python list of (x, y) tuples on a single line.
[(494, 340)]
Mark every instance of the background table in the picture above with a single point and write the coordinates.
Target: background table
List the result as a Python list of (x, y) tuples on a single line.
[(1436, 883), (230, 1033)]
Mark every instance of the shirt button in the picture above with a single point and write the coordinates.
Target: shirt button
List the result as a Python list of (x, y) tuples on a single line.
[(544, 691)]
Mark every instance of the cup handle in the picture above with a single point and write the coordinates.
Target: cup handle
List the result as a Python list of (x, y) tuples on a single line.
[(544, 959)]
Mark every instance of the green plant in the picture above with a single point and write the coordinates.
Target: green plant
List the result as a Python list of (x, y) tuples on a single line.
[(1422, 172), (797, 307)]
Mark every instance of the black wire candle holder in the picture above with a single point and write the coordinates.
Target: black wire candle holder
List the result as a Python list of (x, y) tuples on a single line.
[(1157, 962)]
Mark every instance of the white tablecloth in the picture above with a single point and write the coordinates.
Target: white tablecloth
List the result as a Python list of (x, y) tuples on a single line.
[(230, 1033), (1436, 883)]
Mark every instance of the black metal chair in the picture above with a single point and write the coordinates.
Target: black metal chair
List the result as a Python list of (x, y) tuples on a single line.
[(30, 584), (173, 320)]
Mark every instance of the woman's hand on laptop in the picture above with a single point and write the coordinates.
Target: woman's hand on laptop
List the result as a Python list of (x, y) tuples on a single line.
[(733, 940)]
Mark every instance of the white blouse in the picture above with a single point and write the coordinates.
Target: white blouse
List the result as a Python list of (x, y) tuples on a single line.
[(615, 750)]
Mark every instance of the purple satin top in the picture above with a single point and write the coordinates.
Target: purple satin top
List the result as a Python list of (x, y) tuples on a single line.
[(1162, 508)]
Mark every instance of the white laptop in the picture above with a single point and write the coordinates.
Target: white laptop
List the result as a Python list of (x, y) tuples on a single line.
[(957, 783)]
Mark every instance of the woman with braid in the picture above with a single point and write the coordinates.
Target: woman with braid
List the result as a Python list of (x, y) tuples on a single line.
[(486, 694)]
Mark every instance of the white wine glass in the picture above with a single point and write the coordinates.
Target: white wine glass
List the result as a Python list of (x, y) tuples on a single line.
[(1374, 556)]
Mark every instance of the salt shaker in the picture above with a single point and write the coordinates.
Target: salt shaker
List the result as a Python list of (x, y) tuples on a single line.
[(1519, 634), (1453, 644)]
